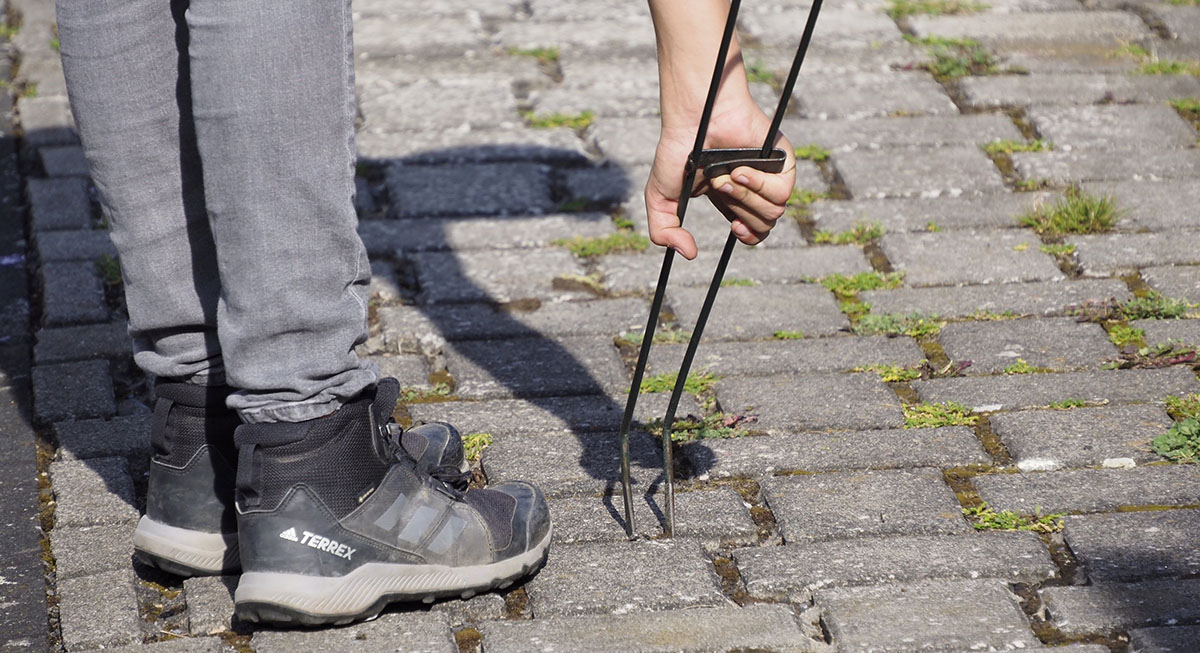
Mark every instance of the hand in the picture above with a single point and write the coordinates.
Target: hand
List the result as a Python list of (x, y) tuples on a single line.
[(752, 200)]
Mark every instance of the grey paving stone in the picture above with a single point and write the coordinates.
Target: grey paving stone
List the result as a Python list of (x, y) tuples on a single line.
[(495, 276), (570, 464), (47, 120), (745, 312), (1082, 437), (915, 172), (1058, 344), (639, 273), (480, 189), (73, 391), (63, 161), (87, 550), (1136, 545), (59, 204), (99, 611), (995, 211), (390, 237), (1061, 167), (859, 95), (183, 644), (75, 245), (410, 369), (780, 28), (474, 321), (1181, 282), (831, 56), (559, 145), (765, 627), (604, 184), (793, 572), (929, 615), (1113, 254), (1059, 89), (1180, 22), (1032, 390), (623, 36), (71, 294), (398, 33), (621, 88), (482, 607), (108, 340), (764, 358), (1160, 331), (1105, 608), (626, 141), (210, 603), (394, 631), (95, 492), (1091, 490), (1149, 205), (794, 402), (1059, 27), (451, 102), (904, 131), (841, 505), (1113, 126), (969, 257), (98, 438), (622, 578), (1039, 298), (819, 452), (539, 415), (717, 518), (1167, 639), (536, 367)]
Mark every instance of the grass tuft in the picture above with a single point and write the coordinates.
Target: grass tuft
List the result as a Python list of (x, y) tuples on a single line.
[(812, 152), (927, 416), (954, 58), (891, 373), (788, 335), (1010, 146), (696, 382), (902, 8), (1122, 335), (861, 233), (1169, 67), (109, 268), (736, 281), (1155, 306), (847, 286), (1067, 404), (1059, 249), (984, 518), (544, 55), (622, 241), (475, 443), (915, 325), (420, 395), (1022, 366), (574, 121), (1077, 212), (687, 429), (757, 72), (670, 336)]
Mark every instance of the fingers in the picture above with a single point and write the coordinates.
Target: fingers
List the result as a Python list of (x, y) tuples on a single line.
[(664, 226), (756, 198)]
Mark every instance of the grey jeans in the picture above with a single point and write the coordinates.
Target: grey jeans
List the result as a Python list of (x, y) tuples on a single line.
[(220, 134)]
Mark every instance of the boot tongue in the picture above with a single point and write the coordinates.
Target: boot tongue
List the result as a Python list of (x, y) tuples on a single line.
[(387, 393)]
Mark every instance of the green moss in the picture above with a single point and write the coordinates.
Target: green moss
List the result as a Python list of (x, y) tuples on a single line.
[(933, 227), (109, 268), (1059, 249), (671, 336), (983, 518), (1132, 50), (7, 32), (573, 205), (891, 373), (586, 246), (913, 324), (954, 58), (847, 286), (735, 281), (54, 44), (1009, 146), (924, 416), (696, 382), (902, 8), (544, 55), (812, 152), (29, 91), (1022, 366), (691, 427), (1154, 306), (1169, 67), (861, 233), (1122, 335), (475, 443), (1077, 212), (1030, 185), (622, 223), (419, 395), (1067, 404), (757, 72), (1188, 105), (1181, 442), (574, 121), (802, 197), (788, 335), (1181, 408)]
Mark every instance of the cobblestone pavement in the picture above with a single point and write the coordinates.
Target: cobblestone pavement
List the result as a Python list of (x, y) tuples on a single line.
[(816, 519)]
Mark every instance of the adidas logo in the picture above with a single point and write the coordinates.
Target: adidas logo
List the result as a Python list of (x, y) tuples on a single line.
[(290, 534)]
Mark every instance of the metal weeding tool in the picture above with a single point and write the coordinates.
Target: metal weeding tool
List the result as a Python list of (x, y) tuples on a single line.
[(712, 163)]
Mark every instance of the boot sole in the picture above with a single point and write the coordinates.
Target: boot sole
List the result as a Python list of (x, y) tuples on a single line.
[(185, 552), (291, 599)]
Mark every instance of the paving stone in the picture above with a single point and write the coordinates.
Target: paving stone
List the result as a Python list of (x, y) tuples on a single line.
[(1059, 89), (77, 245), (639, 273), (969, 257), (782, 28), (764, 358), (952, 171), (1059, 344), (73, 391), (626, 141), (1033, 390), (95, 492), (903, 131), (72, 294), (1172, 639), (935, 614), (995, 211), (570, 464), (391, 632), (1061, 168), (451, 102), (87, 550), (559, 145), (1180, 282), (632, 36), (14, 305), (98, 438), (1081, 437), (1113, 126), (410, 369), (109, 340), (1059, 27), (398, 33), (793, 572), (495, 276), (59, 204), (844, 55), (183, 644), (1161, 331), (622, 88), (482, 607), (791, 402), (473, 321), (717, 518), (858, 95), (1091, 490), (1181, 22), (540, 415), (390, 237), (47, 120), (819, 452), (556, 10), (1105, 608), (841, 505), (1112, 254), (210, 603), (622, 578), (99, 611), (1039, 298), (535, 367), (64, 161), (604, 184), (762, 627), (480, 189), (1151, 206), (1136, 545), (744, 312)]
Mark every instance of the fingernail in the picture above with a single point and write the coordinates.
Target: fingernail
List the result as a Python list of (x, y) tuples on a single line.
[(727, 188), (741, 179), (739, 229)]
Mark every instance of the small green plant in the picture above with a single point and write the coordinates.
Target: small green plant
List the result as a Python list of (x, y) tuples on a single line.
[(803, 197), (593, 283), (847, 286), (902, 8), (954, 58), (1186, 105), (788, 335), (30, 91), (1077, 212), (54, 45), (915, 325), (861, 233), (1067, 404), (853, 308), (1022, 366), (891, 373), (812, 152), (109, 268), (1155, 306), (1009, 146), (1122, 335), (1185, 3), (933, 227), (1181, 408), (574, 121), (1030, 185), (1132, 50), (1020, 247), (421, 395), (623, 223), (992, 316), (1059, 249), (669, 336), (984, 518), (1162, 354), (926, 416), (573, 205), (475, 443), (7, 32), (696, 382), (736, 281), (1169, 67), (1181, 442), (544, 55), (757, 72), (587, 246), (686, 429)]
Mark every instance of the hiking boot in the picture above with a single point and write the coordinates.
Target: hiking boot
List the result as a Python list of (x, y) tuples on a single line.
[(190, 525), (335, 521)]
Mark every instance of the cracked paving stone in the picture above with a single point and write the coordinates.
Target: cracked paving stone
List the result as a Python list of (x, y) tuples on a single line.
[(1104, 608), (393, 631), (623, 578), (540, 415), (639, 272), (1037, 298), (926, 615), (931, 131), (498, 276), (1060, 344), (99, 611), (1160, 331), (1037, 390), (1091, 490), (87, 550), (535, 367), (768, 357), (717, 518), (1165, 639), (1151, 206), (1182, 282), (790, 402), (916, 172), (1113, 126), (1061, 168), (393, 237), (793, 572), (744, 312), (841, 505), (93, 492), (1115, 254), (969, 257), (1041, 440), (858, 95), (995, 211), (480, 189), (820, 452), (210, 603), (97, 438), (1135, 545), (573, 465)]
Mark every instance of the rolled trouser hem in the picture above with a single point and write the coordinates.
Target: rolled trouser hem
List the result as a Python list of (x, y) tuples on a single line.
[(292, 412)]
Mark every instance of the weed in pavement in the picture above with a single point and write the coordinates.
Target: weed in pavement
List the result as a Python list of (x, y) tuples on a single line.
[(1077, 212), (925, 416), (984, 518)]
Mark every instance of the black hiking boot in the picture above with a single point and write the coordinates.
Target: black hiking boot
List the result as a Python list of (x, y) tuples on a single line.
[(335, 522)]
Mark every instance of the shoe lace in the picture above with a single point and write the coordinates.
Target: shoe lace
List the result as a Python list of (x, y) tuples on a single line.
[(444, 478)]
